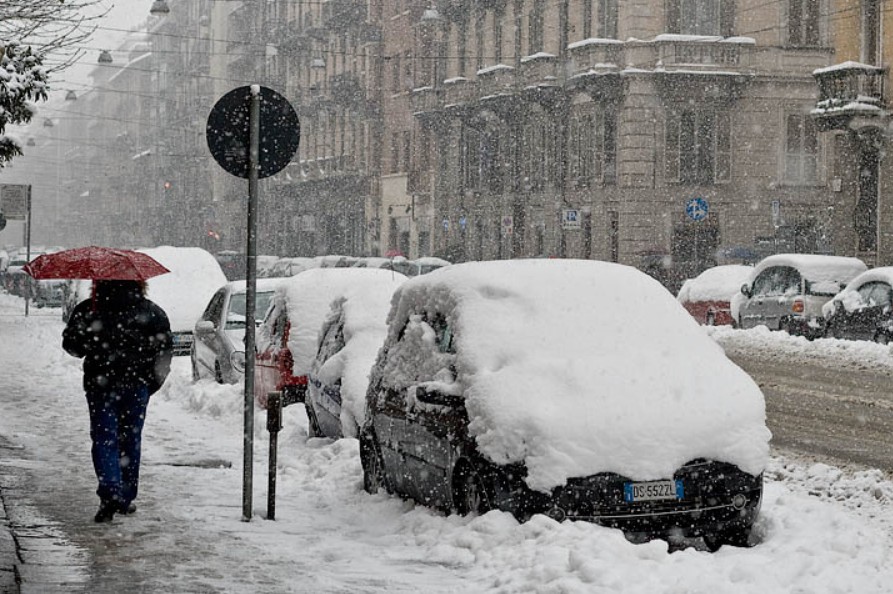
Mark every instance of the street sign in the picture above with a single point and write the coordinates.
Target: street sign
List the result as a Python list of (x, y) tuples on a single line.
[(228, 132), (14, 201), (508, 224), (697, 209), (570, 219)]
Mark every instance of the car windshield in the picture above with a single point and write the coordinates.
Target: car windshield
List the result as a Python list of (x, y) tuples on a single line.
[(235, 318)]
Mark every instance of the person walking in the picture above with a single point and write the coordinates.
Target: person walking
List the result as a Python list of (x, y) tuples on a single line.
[(125, 341)]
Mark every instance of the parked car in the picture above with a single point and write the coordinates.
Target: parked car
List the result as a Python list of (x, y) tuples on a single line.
[(232, 263), (16, 281), (572, 388), (184, 293), (864, 309), (349, 341), (291, 266), (76, 290), (48, 292), (787, 292), (707, 296), (218, 348), (288, 339)]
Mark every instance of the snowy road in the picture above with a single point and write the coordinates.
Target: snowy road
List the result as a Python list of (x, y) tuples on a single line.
[(823, 529)]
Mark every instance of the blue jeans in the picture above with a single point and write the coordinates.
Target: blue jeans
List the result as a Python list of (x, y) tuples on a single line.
[(116, 428)]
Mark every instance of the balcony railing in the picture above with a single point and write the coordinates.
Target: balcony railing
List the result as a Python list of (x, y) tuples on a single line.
[(848, 90)]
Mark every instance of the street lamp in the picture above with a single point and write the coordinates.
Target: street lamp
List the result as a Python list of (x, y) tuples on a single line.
[(159, 8)]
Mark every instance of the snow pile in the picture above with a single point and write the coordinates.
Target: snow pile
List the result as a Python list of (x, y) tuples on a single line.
[(715, 284), (184, 293), (364, 307), (308, 298), (580, 367)]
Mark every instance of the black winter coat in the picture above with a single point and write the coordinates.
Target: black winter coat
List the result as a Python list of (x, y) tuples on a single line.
[(125, 341)]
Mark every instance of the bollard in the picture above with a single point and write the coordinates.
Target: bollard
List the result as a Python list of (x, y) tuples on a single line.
[(274, 424)]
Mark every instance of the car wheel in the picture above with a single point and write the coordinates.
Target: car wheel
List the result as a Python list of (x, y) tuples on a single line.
[(882, 338), (218, 374), (736, 536), (313, 429), (469, 492), (373, 470)]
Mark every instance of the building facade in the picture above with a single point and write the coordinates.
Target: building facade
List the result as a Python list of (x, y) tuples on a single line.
[(657, 134)]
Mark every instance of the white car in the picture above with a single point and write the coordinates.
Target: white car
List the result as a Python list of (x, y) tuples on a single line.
[(184, 293)]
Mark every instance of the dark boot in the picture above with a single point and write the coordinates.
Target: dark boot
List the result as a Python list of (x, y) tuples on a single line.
[(126, 509), (106, 512)]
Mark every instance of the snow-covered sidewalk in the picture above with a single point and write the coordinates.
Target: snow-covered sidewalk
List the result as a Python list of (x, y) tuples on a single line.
[(824, 530)]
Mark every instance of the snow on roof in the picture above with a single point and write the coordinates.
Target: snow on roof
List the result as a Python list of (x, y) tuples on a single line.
[(309, 296), (576, 367), (715, 284), (848, 65), (593, 41), (431, 261), (537, 56), (849, 297), (495, 68), (815, 267), (184, 293), (263, 284)]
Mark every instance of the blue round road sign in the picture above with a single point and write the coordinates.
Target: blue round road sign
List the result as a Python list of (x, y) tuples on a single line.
[(697, 209)]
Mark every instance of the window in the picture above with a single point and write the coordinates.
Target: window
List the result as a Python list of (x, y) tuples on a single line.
[(332, 341), (587, 19), (407, 149), (803, 22), (593, 147), (778, 280), (698, 146), (535, 29), (538, 153), (395, 73), (607, 18), (701, 17), (801, 149), (395, 152)]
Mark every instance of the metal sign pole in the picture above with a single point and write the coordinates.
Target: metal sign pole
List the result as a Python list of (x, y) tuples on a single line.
[(27, 280), (250, 297)]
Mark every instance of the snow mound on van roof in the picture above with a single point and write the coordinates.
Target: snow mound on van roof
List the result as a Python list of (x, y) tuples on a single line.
[(309, 297), (184, 293), (815, 267), (580, 367)]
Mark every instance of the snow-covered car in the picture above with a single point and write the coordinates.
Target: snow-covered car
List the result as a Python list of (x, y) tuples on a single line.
[(15, 280), (707, 297), (48, 292), (291, 266), (349, 341), (864, 309), (288, 338), (787, 292), (184, 293), (571, 388), (218, 348), (76, 290)]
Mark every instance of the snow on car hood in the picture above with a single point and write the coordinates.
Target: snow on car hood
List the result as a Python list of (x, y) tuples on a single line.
[(714, 284), (581, 367), (309, 297), (184, 293)]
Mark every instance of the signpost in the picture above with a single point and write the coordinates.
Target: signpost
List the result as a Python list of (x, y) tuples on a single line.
[(15, 205), (253, 132), (570, 219)]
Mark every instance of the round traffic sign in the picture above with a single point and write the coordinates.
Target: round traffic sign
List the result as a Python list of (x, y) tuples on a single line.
[(697, 209), (228, 132)]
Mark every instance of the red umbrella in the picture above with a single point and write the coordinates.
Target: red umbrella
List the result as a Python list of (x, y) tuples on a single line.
[(96, 263)]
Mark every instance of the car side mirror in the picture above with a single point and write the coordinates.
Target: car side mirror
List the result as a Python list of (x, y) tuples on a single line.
[(439, 398), (204, 327), (745, 290)]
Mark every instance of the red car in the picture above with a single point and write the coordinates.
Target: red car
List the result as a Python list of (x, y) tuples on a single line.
[(706, 297), (273, 361)]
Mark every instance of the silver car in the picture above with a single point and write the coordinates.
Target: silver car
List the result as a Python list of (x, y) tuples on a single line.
[(787, 292), (218, 350)]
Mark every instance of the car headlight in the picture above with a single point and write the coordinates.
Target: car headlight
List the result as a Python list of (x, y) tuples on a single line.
[(237, 360)]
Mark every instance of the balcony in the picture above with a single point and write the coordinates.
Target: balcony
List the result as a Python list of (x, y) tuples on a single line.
[(594, 55), (851, 95), (458, 91), (425, 100)]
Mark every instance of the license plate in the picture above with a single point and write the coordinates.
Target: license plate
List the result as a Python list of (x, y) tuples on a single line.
[(653, 491)]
